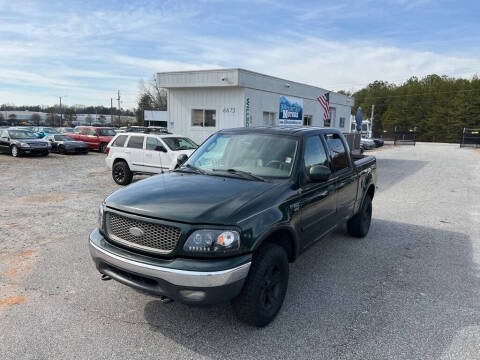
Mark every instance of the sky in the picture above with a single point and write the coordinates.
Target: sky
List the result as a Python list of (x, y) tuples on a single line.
[(85, 51)]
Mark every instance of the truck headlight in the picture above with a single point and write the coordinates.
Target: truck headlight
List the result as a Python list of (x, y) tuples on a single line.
[(208, 241), (100, 217)]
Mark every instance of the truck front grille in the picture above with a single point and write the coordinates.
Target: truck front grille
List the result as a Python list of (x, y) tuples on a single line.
[(142, 235)]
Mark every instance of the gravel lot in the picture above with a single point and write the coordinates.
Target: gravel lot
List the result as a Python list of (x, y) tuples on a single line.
[(410, 290)]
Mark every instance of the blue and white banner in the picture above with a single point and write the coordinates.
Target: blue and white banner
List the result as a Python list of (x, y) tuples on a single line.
[(291, 111)]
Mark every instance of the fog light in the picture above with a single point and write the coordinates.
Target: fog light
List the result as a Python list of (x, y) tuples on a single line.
[(194, 295)]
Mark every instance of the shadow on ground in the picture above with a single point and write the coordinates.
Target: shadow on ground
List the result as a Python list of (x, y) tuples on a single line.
[(403, 291), (393, 171)]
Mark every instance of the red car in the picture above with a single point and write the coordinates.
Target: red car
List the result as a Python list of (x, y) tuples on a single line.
[(95, 137)]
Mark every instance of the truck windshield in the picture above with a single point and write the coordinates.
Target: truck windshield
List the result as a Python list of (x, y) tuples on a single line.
[(177, 143), (261, 155)]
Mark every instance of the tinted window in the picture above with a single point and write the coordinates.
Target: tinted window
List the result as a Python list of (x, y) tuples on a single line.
[(62, 138), (176, 144), (106, 132), (120, 141), (83, 131), (135, 142), (92, 132), (314, 153), (152, 143), (4, 133), (337, 152)]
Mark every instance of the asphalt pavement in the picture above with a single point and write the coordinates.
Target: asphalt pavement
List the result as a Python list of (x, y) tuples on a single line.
[(409, 290)]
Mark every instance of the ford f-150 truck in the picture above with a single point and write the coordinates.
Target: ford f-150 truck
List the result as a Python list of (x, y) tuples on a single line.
[(225, 224)]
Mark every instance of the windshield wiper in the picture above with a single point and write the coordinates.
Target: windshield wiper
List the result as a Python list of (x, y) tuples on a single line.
[(241, 173), (196, 169)]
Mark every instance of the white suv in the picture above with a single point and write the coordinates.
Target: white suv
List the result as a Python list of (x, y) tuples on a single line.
[(145, 153)]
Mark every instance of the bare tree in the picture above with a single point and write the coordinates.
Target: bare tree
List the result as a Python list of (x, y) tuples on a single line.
[(12, 119), (156, 94), (89, 119), (35, 119)]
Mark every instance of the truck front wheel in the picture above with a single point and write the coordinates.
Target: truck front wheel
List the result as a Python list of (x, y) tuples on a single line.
[(265, 288), (359, 225)]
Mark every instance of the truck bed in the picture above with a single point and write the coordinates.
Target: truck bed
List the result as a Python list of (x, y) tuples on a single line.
[(363, 161)]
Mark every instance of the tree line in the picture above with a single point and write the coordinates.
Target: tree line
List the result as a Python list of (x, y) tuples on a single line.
[(438, 106)]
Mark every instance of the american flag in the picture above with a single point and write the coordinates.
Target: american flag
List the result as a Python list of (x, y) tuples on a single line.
[(324, 100)]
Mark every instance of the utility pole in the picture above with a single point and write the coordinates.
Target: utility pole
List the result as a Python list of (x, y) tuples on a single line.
[(371, 122), (61, 113), (111, 111), (118, 108)]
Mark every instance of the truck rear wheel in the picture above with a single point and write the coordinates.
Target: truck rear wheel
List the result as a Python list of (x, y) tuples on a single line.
[(265, 288), (359, 225), (121, 173)]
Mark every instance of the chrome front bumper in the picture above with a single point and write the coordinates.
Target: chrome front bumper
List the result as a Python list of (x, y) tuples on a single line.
[(173, 276)]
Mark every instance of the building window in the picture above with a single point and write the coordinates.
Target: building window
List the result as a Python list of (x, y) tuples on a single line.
[(307, 120), (268, 118), (204, 118), (341, 122)]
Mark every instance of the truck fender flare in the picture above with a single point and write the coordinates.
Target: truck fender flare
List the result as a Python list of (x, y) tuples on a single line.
[(293, 238)]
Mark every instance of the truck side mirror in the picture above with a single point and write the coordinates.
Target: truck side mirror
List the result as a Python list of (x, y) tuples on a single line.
[(319, 173), (181, 159)]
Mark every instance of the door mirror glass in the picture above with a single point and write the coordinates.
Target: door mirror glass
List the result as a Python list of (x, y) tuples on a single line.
[(160, 148), (181, 159), (319, 173)]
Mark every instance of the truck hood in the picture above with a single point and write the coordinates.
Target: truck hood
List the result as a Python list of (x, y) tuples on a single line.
[(189, 198)]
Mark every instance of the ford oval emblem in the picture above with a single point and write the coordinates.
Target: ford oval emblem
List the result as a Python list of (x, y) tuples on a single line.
[(135, 231)]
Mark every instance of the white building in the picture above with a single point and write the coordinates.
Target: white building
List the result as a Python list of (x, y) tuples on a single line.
[(202, 102)]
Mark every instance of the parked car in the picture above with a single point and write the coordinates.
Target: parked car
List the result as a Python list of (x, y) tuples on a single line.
[(139, 153), (63, 130), (64, 144), (367, 144), (22, 142), (227, 222), (96, 138), (44, 131), (378, 142)]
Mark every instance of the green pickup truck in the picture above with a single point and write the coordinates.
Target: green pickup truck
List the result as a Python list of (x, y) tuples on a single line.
[(225, 224)]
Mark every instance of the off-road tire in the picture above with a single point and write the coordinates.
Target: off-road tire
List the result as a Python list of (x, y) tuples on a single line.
[(359, 225), (121, 173), (265, 287)]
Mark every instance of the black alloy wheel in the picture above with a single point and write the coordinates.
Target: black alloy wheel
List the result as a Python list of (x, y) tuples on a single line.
[(121, 173)]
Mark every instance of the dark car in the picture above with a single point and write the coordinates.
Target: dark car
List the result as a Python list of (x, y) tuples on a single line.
[(64, 144), (227, 222), (22, 142)]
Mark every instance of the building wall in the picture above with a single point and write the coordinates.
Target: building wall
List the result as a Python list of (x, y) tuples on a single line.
[(265, 101), (228, 103)]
